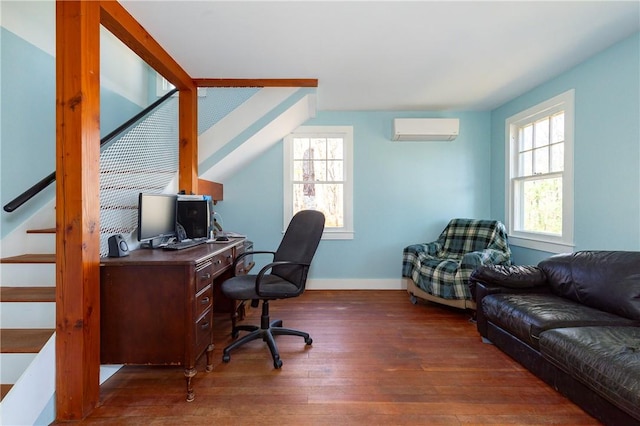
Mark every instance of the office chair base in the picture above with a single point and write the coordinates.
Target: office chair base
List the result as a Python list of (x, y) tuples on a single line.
[(267, 335)]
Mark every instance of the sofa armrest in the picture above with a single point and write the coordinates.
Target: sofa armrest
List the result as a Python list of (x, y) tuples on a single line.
[(479, 290), (430, 249), (492, 279), (510, 276)]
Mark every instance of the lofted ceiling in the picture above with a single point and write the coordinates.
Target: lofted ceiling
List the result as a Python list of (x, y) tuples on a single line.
[(389, 55)]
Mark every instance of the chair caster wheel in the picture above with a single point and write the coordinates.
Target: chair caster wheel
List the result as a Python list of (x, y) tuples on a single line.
[(277, 363), (413, 300), (226, 358), (308, 340)]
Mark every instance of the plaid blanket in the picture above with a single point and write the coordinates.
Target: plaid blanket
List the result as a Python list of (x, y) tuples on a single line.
[(442, 267)]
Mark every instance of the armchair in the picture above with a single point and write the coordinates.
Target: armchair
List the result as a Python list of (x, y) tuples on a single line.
[(439, 271)]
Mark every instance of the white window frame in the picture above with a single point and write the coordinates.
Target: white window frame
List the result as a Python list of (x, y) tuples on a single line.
[(535, 240), (163, 87), (346, 132)]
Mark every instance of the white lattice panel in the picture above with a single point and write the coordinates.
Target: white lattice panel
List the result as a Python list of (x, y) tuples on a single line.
[(143, 159)]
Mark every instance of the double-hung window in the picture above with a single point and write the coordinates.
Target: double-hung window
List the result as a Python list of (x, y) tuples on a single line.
[(539, 152), (318, 176)]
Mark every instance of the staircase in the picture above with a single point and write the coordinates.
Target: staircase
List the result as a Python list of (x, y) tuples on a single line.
[(27, 321)]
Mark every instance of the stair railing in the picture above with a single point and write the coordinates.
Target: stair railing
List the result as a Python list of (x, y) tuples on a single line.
[(104, 143)]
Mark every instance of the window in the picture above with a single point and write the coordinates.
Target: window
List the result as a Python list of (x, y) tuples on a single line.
[(539, 152), (163, 87), (318, 176)]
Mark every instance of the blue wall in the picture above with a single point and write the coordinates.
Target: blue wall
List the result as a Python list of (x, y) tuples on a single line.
[(606, 149), (404, 192), (28, 127), (28, 123)]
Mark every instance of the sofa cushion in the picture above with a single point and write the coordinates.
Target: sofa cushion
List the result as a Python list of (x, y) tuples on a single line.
[(605, 280), (606, 359), (527, 315)]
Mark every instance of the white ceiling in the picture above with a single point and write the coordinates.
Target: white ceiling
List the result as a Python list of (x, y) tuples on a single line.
[(389, 55)]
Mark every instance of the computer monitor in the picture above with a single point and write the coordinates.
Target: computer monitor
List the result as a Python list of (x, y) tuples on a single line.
[(156, 217), (195, 217)]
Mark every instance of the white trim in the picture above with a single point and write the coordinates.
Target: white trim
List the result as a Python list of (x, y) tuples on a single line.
[(33, 390), (564, 101), (346, 132), (538, 244), (33, 21), (108, 370), (337, 235), (240, 119), (356, 284), (259, 142)]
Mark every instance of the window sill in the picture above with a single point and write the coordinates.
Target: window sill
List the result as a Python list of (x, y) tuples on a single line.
[(337, 235), (541, 245)]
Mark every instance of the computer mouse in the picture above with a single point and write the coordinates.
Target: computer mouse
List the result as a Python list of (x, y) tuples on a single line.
[(222, 238)]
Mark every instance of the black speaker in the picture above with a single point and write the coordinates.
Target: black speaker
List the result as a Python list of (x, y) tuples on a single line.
[(118, 246)]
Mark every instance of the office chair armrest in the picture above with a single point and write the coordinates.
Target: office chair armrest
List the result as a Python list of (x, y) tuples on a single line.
[(246, 253), (268, 267)]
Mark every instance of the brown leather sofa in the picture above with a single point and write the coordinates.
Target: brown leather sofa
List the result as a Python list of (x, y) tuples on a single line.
[(574, 321)]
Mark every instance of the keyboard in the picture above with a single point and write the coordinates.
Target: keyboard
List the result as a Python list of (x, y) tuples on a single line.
[(183, 244)]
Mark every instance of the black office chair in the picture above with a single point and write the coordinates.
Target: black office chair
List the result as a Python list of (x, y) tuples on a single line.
[(283, 278)]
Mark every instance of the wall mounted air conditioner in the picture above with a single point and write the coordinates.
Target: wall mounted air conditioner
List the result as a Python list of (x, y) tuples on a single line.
[(425, 129)]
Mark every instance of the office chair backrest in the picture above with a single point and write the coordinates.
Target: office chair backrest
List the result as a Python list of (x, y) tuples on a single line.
[(299, 244)]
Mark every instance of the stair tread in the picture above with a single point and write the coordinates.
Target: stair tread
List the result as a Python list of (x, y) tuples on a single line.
[(4, 389), (23, 340), (30, 258), (27, 294)]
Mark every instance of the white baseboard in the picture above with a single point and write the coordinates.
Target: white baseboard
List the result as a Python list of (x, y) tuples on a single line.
[(356, 284)]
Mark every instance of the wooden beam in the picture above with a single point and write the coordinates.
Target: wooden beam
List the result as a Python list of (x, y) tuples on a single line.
[(215, 189), (263, 82), (188, 148), (77, 208), (118, 21)]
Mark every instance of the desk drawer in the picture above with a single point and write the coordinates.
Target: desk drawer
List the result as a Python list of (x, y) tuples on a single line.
[(222, 261), (204, 276), (204, 300), (204, 334)]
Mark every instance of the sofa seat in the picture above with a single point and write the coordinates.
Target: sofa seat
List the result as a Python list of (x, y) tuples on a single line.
[(606, 359), (528, 315)]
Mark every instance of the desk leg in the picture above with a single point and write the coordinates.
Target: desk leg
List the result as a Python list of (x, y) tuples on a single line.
[(209, 367), (188, 374)]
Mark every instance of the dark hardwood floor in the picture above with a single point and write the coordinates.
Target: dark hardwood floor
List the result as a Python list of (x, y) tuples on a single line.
[(376, 359)]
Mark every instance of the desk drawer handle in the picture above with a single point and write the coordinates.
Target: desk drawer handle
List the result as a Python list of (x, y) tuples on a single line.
[(204, 325), (204, 300), (205, 276), (218, 261)]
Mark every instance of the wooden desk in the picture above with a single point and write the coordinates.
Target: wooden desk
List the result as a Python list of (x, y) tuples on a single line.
[(156, 306)]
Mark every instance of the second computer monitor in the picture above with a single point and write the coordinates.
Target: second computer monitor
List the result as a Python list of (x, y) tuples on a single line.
[(194, 216)]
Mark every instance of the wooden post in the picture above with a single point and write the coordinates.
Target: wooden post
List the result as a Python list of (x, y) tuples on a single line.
[(77, 208), (188, 151)]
